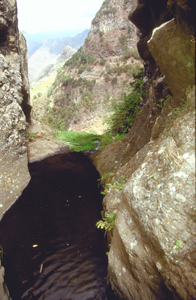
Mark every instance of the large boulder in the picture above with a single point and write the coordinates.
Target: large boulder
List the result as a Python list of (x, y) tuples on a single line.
[(152, 252), (152, 246), (173, 48)]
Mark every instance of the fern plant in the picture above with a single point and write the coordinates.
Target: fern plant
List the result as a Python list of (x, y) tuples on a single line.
[(116, 186), (107, 223)]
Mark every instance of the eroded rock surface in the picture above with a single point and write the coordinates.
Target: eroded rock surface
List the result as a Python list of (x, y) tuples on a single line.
[(152, 251), (153, 246), (14, 107)]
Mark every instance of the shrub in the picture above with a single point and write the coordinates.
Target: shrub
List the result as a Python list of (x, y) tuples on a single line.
[(114, 80), (125, 111), (87, 100), (52, 88), (102, 61), (123, 39), (107, 77), (81, 69)]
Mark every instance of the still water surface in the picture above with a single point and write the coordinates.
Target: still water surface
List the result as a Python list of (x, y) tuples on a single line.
[(53, 249)]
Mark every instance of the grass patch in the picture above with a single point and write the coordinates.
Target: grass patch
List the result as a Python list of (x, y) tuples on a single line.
[(84, 141)]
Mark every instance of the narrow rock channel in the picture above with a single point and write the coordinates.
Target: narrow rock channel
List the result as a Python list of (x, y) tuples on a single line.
[(52, 248)]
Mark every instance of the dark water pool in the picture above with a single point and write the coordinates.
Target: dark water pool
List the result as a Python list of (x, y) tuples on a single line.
[(52, 247)]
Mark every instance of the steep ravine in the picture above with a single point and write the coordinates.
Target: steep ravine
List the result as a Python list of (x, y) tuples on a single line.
[(152, 246)]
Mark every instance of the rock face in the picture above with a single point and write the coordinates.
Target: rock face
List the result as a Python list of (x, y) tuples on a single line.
[(110, 23), (178, 66), (14, 107), (98, 72), (153, 246), (152, 251)]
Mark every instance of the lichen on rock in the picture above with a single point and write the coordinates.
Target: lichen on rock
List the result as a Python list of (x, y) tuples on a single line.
[(155, 224), (152, 251)]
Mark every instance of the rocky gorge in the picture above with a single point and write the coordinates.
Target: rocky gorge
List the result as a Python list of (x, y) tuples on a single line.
[(152, 247)]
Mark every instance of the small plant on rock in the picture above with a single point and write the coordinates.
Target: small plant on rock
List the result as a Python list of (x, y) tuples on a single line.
[(107, 223), (116, 186)]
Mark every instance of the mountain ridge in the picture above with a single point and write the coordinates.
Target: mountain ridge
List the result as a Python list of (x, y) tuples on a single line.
[(98, 72), (45, 53)]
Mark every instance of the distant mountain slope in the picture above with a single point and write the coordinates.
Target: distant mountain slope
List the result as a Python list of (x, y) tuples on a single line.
[(97, 73), (42, 54)]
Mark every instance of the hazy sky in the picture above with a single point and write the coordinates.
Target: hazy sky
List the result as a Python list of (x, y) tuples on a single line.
[(50, 15)]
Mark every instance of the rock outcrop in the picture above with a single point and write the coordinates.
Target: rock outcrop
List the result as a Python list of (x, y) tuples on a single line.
[(98, 72), (14, 107), (111, 32), (14, 114), (152, 251)]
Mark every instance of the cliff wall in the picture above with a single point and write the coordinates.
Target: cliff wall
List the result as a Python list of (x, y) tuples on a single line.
[(152, 246), (14, 114), (97, 73), (14, 107)]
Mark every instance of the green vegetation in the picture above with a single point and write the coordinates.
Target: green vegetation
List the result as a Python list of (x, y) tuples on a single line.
[(162, 102), (59, 115), (107, 223), (32, 134), (126, 2), (179, 243), (87, 101), (79, 59), (105, 177), (114, 80), (129, 69), (109, 10), (127, 109), (84, 141), (130, 53), (123, 39), (102, 61), (52, 88), (116, 186)]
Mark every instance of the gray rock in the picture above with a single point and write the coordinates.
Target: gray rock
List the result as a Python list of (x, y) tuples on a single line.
[(14, 109), (154, 235)]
